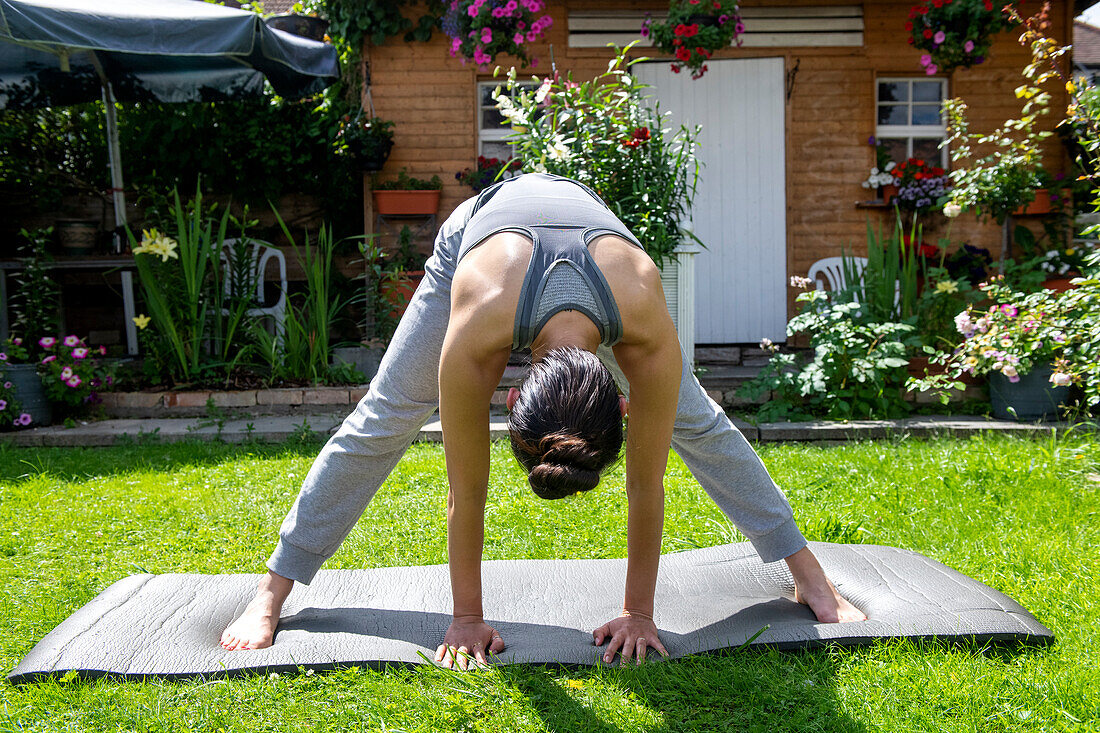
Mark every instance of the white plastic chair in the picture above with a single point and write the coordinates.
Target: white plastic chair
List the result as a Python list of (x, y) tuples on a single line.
[(831, 271), (261, 254)]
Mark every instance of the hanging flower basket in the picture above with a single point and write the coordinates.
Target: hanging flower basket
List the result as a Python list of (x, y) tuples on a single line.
[(694, 30), (955, 33), (482, 29)]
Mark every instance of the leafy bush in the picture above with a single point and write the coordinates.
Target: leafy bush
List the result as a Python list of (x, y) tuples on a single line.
[(856, 370), (277, 148)]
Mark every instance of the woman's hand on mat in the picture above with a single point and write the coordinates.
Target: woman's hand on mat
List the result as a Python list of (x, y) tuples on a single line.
[(468, 639), (631, 634)]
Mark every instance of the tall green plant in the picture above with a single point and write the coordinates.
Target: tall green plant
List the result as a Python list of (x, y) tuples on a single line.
[(178, 295)]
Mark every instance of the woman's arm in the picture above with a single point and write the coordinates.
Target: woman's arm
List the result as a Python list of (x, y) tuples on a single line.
[(468, 375), (652, 368)]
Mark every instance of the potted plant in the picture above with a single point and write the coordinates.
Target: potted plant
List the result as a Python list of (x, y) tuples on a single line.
[(402, 274), (22, 397), (487, 172), (920, 185), (299, 22), (955, 33), (1047, 334), (997, 184), (693, 30), (881, 179), (407, 196), (482, 29), (366, 140), (72, 373)]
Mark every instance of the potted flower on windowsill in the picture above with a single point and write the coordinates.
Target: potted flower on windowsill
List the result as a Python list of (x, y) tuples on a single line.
[(407, 196), (955, 33), (693, 30), (920, 185), (366, 140), (480, 30)]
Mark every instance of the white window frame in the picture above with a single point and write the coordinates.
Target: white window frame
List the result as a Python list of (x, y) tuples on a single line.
[(492, 134), (908, 132)]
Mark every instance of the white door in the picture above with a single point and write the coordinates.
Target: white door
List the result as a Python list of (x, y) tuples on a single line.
[(740, 208)]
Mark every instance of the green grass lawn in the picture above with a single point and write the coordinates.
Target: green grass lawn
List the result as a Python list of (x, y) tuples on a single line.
[(1018, 515)]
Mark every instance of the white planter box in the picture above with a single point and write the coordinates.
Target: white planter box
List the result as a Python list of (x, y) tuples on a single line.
[(678, 281)]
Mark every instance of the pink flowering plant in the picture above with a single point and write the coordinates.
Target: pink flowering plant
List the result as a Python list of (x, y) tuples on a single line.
[(482, 29), (955, 33), (693, 30), (11, 412), (72, 372), (1023, 331)]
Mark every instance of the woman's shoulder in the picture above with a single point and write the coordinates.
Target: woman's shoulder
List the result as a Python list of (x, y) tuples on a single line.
[(635, 283)]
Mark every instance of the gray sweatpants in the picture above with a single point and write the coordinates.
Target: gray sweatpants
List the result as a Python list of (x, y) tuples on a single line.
[(405, 393)]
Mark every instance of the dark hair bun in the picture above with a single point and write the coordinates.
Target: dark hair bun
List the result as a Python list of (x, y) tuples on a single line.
[(568, 465), (565, 426)]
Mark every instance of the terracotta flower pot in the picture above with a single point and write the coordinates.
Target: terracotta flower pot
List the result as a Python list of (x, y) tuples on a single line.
[(406, 203), (399, 290), (1041, 204), (889, 191), (1060, 284)]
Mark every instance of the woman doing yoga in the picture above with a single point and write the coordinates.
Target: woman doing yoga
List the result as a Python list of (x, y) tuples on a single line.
[(537, 261)]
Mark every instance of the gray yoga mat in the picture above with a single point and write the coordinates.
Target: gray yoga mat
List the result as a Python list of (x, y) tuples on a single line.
[(709, 599)]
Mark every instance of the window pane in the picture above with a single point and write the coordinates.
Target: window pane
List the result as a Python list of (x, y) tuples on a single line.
[(929, 149), (927, 114), (893, 91), (893, 114), (491, 119), (496, 149), (897, 148), (927, 91), (487, 95)]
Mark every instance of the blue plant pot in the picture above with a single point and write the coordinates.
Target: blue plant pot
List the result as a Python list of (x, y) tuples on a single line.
[(1031, 398), (30, 393)]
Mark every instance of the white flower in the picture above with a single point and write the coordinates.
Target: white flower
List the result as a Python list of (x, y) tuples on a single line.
[(1061, 379), (540, 95), (539, 168), (890, 166), (558, 150), (800, 282), (951, 210)]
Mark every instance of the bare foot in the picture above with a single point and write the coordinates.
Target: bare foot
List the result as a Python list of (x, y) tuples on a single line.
[(814, 589), (255, 628)]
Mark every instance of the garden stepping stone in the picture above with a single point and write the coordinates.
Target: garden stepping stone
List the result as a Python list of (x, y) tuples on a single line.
[(709, 599)]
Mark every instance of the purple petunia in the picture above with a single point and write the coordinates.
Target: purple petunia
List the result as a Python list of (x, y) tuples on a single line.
[(24, 419)]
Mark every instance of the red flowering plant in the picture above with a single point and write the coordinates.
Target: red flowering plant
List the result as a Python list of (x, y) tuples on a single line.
[(955, 33), (488, 172), (482, 29), (921, 187), (694, 30), (72, 372)]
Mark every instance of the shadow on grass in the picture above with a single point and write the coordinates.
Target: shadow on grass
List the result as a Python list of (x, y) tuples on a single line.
[(75, 464), (729, 690)]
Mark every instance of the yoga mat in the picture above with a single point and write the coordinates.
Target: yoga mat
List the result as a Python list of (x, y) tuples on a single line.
[(715, 598)]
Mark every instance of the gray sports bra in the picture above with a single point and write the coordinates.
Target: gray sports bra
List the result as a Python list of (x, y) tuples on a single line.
[(561, 218)]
